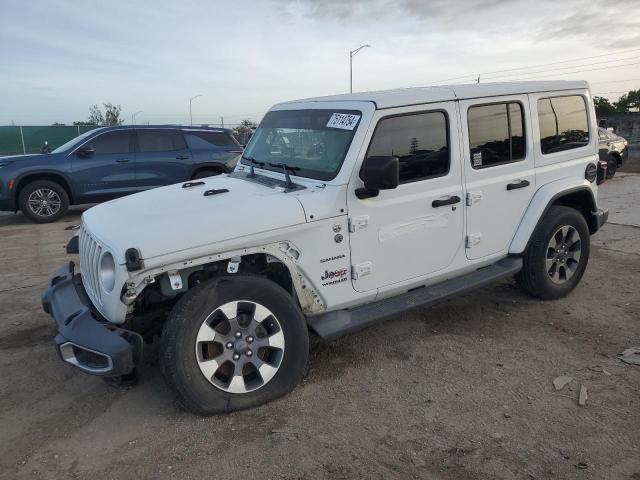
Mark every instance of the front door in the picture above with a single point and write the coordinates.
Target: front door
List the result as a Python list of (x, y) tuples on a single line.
[(107, 169), (417, 228), (162, 157), (499, 171)]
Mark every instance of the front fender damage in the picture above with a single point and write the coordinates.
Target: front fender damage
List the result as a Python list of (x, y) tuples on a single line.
[(285, 252)]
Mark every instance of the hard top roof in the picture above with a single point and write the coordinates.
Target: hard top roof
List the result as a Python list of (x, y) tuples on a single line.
[(417, 95)]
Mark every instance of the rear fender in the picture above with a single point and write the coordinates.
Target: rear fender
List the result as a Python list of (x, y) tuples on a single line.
[(546, 196)]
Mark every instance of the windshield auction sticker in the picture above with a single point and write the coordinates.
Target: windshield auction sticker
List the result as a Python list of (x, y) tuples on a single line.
[(344, 121)]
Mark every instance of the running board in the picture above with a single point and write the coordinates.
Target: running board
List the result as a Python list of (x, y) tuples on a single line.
[(331, 325)]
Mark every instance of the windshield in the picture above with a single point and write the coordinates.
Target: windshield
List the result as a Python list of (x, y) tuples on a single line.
[(313, 142), (72, 142)]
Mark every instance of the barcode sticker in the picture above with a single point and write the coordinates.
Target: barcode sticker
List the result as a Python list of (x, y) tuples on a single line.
[(344, 121)]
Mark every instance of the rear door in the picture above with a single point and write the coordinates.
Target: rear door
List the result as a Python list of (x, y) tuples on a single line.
[(162, 157), (499, 171), (107, 172)]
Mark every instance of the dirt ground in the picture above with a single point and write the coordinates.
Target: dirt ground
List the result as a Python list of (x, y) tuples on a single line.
[(460, 391)]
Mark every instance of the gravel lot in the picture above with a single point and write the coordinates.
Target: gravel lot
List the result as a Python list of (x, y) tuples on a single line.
[(461, 391)]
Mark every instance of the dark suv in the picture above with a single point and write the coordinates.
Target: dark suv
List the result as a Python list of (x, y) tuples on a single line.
[(110, 162)]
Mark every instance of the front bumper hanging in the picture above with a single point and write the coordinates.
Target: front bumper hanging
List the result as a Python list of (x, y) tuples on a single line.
[(84, 340)]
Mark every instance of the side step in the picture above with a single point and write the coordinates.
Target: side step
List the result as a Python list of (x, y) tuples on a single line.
[(331, 325)]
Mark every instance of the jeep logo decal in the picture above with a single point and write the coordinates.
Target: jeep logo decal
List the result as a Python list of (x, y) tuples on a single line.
[(334, 276)]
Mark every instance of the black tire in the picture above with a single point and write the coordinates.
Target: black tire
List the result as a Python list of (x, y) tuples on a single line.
[(535, 278), (47, 213), (612, 166), (206, 173), (180, 367)]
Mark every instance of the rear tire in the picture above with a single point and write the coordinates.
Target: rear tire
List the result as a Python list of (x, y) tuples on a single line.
[(206, 173), (43, 201), (233, 343), (612, 166), (557, 255)]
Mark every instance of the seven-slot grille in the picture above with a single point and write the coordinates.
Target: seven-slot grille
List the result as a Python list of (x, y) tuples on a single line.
[(90, 251)]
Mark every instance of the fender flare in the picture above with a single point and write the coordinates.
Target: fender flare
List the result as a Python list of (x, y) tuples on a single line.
[(542, 200)]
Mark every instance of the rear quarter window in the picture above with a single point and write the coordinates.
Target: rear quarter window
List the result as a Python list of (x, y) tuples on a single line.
[(202, 139), (563, 123)]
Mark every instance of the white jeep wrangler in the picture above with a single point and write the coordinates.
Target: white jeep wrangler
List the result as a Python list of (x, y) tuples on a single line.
[(343, 211)]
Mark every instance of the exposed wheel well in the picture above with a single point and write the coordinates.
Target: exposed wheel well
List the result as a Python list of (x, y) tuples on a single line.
[(157, 299), (582, 201), (53, 177)]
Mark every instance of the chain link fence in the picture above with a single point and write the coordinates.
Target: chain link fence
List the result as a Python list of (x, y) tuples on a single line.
[(23, 139)]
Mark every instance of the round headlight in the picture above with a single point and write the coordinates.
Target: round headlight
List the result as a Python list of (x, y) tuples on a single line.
[(107, 271)]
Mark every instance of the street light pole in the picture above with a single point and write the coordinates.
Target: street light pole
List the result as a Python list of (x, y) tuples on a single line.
[(190, 111), (352, 54), (133, 117)]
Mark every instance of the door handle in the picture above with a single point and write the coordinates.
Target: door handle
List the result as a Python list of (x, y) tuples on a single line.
[(123, 160), (518, 184), (446, 201), (181, 157)]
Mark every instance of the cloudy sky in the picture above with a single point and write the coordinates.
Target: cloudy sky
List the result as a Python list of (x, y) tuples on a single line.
[(58, 57)]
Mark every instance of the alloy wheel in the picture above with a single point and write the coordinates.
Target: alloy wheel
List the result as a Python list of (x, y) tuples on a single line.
[(240, 346), (563, 254), (44, 202)]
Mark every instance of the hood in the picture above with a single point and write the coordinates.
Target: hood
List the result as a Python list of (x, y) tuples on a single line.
[(170, 219)]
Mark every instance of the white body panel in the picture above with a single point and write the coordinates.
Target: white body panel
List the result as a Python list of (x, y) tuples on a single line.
[(399, 240)]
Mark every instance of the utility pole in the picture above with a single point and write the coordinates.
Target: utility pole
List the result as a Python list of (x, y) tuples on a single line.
[(222, 121), (352, 53), (133, 117), (190, 109)]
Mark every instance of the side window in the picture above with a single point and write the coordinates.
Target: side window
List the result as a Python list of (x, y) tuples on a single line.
[(496, 134), (203, 139), (420, 141), (160, 140), (563, 123), (110, 143)]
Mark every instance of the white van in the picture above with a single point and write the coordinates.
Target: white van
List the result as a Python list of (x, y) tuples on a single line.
[(344, 210)]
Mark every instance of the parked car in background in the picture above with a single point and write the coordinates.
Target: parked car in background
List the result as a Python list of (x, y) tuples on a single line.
[(110, 162), (613, 149)]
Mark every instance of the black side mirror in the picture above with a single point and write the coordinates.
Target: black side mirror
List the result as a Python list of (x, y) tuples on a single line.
[(85, 152), (378, 173)]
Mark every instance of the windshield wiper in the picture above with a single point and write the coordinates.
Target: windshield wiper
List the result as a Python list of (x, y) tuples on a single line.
[(253, 162), (284, 168)]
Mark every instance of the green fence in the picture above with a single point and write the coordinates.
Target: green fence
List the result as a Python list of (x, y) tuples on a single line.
[(23, 139)]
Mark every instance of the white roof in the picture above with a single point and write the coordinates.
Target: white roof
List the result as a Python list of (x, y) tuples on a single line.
[(417, 95)]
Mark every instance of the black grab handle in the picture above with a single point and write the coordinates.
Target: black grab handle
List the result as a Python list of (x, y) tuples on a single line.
[(520, 184), (447, 201)]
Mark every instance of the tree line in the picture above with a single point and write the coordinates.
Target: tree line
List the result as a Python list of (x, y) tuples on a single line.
[(629, 102), (111, 115)]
